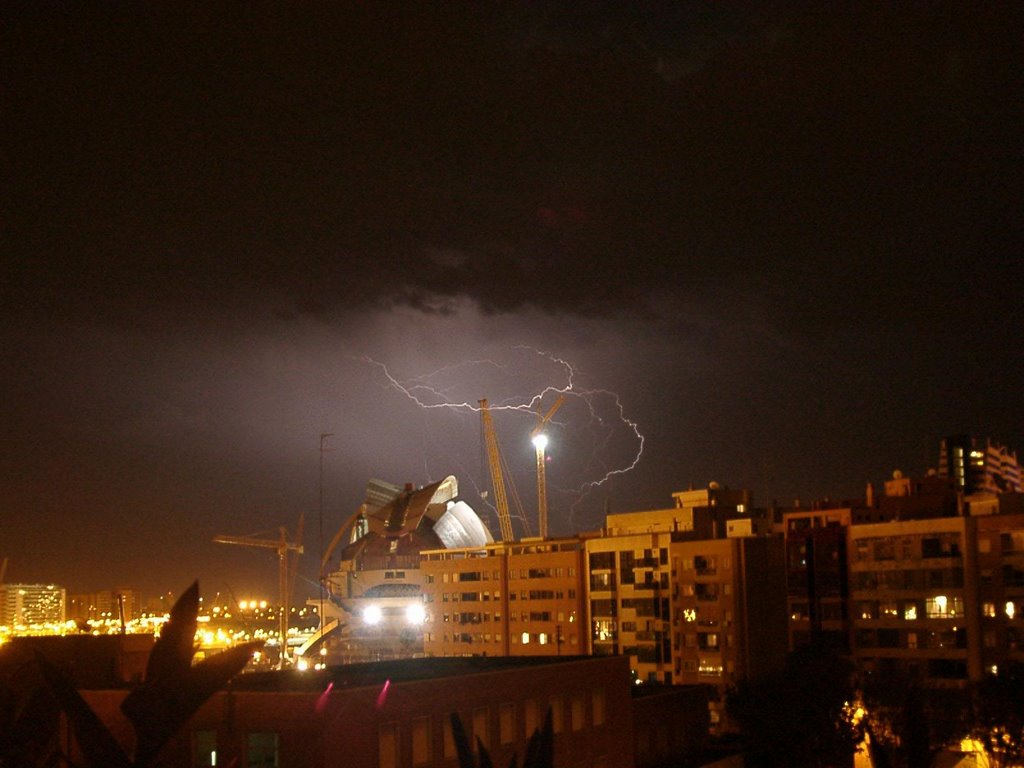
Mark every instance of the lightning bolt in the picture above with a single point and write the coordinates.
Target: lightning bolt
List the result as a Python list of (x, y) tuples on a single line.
[(428, 391)]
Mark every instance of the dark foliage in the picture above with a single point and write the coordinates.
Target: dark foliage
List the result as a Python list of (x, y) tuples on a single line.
[(540, 749), (800, 717), (908, 724), (28, 723), (173, 690), (998, 718)]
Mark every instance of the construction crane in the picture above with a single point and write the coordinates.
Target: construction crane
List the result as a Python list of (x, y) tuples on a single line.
[(497, 479), (540, 442), (284, 571)]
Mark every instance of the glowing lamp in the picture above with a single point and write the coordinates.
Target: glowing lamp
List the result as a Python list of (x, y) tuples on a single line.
[(372, 615), (415, 613), (540, 442)]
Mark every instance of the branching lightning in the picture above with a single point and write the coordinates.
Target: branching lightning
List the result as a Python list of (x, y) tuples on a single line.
[(603, 412)]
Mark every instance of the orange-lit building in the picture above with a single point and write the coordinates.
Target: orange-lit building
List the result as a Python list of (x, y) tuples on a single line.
[(939, 597), (106, 605), (522, 598), (686, 608)]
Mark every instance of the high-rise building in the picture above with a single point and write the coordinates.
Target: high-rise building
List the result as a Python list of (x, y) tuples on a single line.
[(978, 466), (106, 605), (28, 604), (686, 608)]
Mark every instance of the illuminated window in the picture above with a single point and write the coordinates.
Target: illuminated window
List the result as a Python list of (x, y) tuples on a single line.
[(943, 607), (989, 609), (910, 612), (1011, 610), (526, 638)]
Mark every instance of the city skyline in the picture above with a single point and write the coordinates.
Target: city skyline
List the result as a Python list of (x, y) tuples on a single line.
[(787, 239)]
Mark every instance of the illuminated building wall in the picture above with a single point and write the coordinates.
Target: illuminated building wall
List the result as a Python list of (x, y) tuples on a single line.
[(517, 599), (817, 583), (98, 606), (28, 604), (915, 599), (976, 466), (685, 609), (1001, 586)]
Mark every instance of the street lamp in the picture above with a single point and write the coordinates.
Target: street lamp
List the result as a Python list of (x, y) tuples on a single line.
[(540, 442)]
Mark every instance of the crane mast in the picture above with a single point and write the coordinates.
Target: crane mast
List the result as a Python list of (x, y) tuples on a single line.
[(540, 442), (497, 479), (283, 547)]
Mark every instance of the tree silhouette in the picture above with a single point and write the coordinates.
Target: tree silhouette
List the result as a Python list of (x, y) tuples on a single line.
[(171, 692)]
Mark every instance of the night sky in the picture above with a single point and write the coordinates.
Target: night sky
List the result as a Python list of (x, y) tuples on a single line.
[(778, 247)]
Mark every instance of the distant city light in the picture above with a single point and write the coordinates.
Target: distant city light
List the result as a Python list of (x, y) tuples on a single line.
[(540, 442), (372, 615)]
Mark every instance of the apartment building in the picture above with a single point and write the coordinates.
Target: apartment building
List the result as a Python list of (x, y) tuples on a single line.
[(817, 584), (693, 594), (524, 598), (979, 466), (31, 604)]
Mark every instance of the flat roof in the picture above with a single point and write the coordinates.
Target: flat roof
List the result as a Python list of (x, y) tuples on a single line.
[(397, 671)]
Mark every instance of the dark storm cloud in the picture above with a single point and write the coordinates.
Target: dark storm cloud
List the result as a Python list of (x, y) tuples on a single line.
[(171, 155), (789, 237)]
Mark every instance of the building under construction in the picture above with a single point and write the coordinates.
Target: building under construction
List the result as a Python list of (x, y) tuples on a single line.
[(373, 605)]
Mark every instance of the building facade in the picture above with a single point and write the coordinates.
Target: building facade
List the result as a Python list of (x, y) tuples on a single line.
[(398, 714), (522, 598), (979, 466), (25, 605)]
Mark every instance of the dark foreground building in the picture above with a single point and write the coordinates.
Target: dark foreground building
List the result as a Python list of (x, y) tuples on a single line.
[(397, 715)]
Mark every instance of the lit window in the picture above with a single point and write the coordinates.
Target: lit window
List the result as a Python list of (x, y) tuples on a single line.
[(942, 607), (1011, 610), (526, 638)]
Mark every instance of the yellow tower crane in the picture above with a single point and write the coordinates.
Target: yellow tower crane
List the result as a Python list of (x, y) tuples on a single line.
[(497, 479), (285, 572), (540, 442)]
